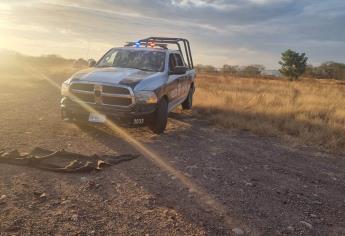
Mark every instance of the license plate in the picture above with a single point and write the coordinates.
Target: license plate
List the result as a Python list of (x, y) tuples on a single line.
[(97, 118)]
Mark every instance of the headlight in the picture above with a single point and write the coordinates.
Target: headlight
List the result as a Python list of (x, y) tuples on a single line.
[(65, 87), (147, 97)]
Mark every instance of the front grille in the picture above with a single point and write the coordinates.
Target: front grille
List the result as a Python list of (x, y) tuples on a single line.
[(90, 98), (114, 101), (115, 90), (83, 87), (102, 94)]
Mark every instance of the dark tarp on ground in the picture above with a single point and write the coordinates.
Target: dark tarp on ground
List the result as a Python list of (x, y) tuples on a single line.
[(62, 161)]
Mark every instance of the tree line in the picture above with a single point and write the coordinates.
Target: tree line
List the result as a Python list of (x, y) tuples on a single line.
[(294, 65), (250, 70), (327, 70)]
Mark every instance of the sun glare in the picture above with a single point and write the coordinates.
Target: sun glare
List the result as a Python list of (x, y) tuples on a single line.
[(4, 22), (5, 7), (205, 199)]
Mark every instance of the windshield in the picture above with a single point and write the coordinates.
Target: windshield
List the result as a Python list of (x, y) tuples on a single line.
[(138, 59)]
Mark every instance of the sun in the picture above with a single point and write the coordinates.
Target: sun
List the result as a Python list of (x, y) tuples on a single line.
[(5, 10)]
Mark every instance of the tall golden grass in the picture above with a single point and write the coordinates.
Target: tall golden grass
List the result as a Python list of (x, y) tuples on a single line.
[(306, 112)]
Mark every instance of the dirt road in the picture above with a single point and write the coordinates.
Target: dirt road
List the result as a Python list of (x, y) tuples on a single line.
[(265, 187)]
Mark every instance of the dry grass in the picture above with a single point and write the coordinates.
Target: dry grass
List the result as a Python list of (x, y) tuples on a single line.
[(308, 111)]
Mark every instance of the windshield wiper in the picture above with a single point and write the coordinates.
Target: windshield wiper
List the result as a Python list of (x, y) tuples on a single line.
[(144, 69), (105, 66)]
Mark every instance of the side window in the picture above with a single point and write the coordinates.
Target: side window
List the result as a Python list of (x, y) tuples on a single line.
[(172, 62), (179, 61)]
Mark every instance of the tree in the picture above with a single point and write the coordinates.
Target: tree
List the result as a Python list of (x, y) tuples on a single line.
[(228, 69), (332, 70), (252, 70), (293, 64), (327, 70), (205, 69), (80, 63)]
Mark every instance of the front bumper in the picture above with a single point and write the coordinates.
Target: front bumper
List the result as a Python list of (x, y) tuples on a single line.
[(139, 114)]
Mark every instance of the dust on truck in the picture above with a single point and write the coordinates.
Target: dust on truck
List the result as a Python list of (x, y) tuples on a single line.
[(138, 84)]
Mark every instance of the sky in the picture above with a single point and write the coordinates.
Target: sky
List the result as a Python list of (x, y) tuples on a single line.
[(235, 32)]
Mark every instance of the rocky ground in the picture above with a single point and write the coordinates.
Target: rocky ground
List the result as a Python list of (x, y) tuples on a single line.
[(257, 185)]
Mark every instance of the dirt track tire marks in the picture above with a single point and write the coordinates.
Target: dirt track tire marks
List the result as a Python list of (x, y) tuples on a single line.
[(271, 188)]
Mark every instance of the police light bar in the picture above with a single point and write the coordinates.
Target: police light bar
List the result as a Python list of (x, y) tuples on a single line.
[(150, 44)]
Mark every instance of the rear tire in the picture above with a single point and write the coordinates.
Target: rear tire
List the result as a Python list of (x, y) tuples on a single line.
[(160, 117), (188, 103)]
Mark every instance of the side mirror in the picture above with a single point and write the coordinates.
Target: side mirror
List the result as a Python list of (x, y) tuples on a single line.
[(91, 62), (178, 70)]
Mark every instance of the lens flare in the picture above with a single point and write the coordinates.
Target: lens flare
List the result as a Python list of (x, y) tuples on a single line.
[(159, 161)]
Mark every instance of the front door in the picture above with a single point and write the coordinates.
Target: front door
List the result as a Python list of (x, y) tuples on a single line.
[(184, 80), (173, 82)]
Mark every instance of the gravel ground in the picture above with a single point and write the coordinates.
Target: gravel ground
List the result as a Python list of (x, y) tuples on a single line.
[(257, 185)]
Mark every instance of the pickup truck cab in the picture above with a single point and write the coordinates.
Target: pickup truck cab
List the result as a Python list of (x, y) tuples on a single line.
[(139, 84)]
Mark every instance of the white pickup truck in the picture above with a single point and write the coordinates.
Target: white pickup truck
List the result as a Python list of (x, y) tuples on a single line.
[(139, 83)]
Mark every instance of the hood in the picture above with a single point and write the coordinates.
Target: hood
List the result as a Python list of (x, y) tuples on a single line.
[(112, 75)]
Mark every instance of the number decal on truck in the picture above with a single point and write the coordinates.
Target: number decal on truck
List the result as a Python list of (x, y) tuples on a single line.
[(138, 121)]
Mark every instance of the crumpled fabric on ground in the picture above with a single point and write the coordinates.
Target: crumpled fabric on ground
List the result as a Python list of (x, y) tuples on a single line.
[(62, 161)]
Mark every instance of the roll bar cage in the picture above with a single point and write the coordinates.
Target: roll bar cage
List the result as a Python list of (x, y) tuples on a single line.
[(164, 41)]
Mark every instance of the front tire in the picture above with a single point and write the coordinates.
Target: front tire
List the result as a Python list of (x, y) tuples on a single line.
[(65, 116), (160, 117)]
